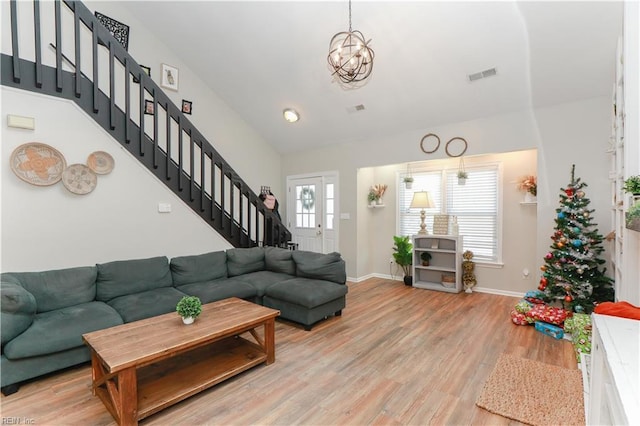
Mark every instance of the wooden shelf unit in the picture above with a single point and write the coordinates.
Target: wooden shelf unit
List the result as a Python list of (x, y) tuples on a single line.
[(446, 259)]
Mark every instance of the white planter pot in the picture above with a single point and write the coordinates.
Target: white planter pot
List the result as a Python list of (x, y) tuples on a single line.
[(408, 185), (379, 201), (530, 198), (462, 181), (188, 320)]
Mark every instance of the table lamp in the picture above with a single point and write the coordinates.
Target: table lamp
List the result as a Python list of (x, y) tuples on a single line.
[(422, 200)]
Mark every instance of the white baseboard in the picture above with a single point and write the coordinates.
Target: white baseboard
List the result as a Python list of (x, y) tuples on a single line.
[(475, 289), (498, 292)]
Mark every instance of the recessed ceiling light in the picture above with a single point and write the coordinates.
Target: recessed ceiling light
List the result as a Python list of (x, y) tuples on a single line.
[(290, 115)]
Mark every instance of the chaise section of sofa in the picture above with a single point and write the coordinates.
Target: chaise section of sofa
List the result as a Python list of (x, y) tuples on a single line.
[(316, 292)]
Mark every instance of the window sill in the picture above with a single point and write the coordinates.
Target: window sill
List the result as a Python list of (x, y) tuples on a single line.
[(490, 265)]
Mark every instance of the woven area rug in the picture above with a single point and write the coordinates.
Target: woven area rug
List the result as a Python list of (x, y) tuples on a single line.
[(533, 392)]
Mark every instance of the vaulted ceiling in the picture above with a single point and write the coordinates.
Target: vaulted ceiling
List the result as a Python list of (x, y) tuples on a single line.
[(264, 56)]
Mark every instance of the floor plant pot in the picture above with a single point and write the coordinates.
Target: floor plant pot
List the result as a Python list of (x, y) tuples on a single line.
[(188, 320), (408, 280)]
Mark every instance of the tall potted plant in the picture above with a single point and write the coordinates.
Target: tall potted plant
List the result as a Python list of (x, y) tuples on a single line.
[(403, 256)]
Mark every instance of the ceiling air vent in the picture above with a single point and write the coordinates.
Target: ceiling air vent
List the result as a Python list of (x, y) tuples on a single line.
[(356, 108), (482, 74)]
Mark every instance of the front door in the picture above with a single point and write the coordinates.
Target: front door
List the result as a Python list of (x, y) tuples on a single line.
[(311, 210)]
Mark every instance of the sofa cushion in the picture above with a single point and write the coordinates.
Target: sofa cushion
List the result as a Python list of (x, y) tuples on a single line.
[(133, 307), (17, 310), (279, 260), (58, 288), (211, 291), (320, 266), (62, 329), (306, 292), (244, 260), (262, 279), (132, 276), (198, 268)]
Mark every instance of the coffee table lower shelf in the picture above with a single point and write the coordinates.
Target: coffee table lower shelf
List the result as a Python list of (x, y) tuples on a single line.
[(169, 381)]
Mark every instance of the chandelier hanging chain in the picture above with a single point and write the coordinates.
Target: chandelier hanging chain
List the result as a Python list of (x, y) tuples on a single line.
[(350, 16)]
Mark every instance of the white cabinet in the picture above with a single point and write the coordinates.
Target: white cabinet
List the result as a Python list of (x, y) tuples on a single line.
[(443, 272), (614, 388)]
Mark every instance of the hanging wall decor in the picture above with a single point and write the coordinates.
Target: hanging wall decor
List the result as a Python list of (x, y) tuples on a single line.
[(425, 138), (79, 179), (100, 162), (38, 164), (149, 109), (187, 106), (169, 77), (117, 29)]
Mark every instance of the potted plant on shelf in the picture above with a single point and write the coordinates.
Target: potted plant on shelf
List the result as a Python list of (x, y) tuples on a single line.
[(371, 196), (189, 308), (403, 256), (632, 185), (529, 185), (425, 256), (633, 217)]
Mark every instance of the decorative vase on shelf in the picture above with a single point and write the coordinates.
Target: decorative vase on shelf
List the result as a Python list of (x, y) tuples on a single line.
[(379, 201), (529, 197)]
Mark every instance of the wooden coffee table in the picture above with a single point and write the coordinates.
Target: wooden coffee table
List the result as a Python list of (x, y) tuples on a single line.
[(144, 366)]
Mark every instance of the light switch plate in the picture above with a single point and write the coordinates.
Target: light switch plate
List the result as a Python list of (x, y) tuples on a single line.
[(21, 122)]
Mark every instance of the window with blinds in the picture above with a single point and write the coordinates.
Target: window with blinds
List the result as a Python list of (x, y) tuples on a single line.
[(474, 204)]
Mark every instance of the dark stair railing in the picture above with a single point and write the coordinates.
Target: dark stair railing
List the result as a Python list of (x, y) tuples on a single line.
[(165, 142)]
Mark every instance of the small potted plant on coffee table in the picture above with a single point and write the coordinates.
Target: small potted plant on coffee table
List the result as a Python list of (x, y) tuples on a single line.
[(189, 308)]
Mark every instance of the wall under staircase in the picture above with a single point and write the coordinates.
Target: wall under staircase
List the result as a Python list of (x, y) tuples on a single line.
[(113, 89)]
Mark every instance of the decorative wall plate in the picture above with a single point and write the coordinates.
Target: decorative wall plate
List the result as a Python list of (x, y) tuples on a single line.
[(38, 164), (100, 162), (79, 179)]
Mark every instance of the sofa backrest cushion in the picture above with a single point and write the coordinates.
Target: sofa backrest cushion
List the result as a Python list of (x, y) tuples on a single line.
[(244, 260), (124, 277), (17, 310), (320, 266), (58, 288), (199, 268), (279, 260)]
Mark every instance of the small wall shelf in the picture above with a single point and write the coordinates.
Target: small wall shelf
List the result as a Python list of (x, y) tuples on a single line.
[(528, 203), (375, 206)]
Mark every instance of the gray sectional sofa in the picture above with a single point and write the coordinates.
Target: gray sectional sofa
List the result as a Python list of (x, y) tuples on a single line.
[(44, 314)]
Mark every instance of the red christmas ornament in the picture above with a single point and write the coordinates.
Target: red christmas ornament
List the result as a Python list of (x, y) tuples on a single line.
[(548, 256), (569, 192), (543, 281), (542, 287), (568, 298)]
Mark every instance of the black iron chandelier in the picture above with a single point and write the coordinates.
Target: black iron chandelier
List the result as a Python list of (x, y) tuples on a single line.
[(350, 57)]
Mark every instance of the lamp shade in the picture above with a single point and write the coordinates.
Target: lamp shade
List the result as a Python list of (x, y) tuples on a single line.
[(422, 200)]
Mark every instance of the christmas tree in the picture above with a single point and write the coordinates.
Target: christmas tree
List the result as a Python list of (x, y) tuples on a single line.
[(571, 272)]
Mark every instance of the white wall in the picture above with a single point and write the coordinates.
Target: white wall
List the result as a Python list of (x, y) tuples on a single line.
[(563, 135), (121, 214), (51, 228)]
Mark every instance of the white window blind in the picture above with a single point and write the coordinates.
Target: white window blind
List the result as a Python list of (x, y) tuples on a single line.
[(474, 204)]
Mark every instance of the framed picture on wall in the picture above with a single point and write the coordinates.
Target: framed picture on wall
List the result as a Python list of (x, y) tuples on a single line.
[(169, 78), (441, 224), (148, 107), (186, 106)]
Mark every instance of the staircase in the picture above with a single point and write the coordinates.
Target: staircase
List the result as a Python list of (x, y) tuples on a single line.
[(165, 142)]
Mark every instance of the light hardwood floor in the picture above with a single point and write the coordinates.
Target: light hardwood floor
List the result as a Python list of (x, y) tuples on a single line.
[(397, 356)]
